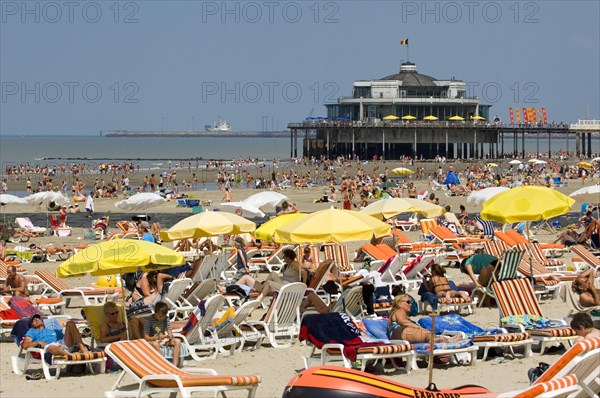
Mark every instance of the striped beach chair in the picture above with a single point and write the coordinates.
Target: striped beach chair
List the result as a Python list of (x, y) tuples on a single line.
[(582, 360), (516, 297), (89, 295), (586, 255), (505, 269), (339, 254), (540, 257), (426, 225), (314, 253), (154, 374), (557, 388)]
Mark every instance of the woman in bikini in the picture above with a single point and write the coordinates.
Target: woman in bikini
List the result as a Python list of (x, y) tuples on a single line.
[(440, 284), (400, 327)]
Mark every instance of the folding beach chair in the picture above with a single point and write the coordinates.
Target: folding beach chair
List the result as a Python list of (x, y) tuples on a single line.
[(372, 252), (405, 244), (516, 300), (586, 255), (558, 388), (95, 316), (582, 360), (487, 227), (338, 339), (153, 374), (540, 257), (339, 254), (274, 262), (56, 228), (549, 249), (25, 223), (507, 268)]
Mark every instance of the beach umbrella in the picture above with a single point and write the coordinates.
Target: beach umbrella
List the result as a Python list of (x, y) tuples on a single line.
[(585, 165), (391, 117), (526, 203), (331, 225), (590, 190), (206, 224), (409, 117), (266, 200), (532, 161), (248, 211), (265, 232), (477, 117), (540, 162), (451, 179), (430, 117), (596, 159), (515, 161), (387, 208), (141, 201), (46, 197), (402, 171), (492, 165), (478, 197), (456, 118)]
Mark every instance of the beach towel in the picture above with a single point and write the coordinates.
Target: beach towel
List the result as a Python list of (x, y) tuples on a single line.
[(432, 298), (23, 307), (333, 328), (456, 323), (197, 314), (423, 348), (530, 322)]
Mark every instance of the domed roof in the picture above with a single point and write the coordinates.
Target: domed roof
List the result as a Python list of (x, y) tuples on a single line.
[(409, 77)]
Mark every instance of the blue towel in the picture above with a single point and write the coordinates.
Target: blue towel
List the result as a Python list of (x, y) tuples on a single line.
[(432, 298), (455, 323)]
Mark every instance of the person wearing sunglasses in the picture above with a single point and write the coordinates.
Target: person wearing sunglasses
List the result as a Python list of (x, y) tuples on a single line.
[(112, 330)]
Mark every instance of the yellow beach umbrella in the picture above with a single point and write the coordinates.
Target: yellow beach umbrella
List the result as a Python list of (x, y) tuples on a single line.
[(527, 203), (409, 117), (477, 117), (430, 117), (532, 160), (387, 208), (266, 231), (119, 256), (331, 225), (456, 118), (492, 165), (585, 165), (402, 171), (206, 224), (391, 117)]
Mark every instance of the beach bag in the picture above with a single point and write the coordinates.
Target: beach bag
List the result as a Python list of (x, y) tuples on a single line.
[(130, 279), (534, 373), (236, 289)]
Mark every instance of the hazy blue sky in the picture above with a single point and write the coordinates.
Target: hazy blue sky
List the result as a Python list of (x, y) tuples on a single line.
[(81, 67)]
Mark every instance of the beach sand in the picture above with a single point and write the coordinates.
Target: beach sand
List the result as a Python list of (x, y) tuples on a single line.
[(278, 366)]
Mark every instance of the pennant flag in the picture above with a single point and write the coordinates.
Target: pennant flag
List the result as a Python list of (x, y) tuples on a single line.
[(404, 42), (512, 115), (525, 116), (532, 116), (518, 115)]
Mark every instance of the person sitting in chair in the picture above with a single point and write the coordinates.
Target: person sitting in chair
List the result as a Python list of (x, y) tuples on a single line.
[(14, 284), (54, 341), (583, 285)]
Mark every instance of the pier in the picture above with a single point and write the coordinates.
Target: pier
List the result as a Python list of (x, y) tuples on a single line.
[(189, 133)]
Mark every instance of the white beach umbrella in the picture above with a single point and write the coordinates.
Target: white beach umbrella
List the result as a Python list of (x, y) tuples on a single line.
[(540, 162), (515, 161), (46, 197), (478, 197), (590, 190), (141, 201), (248, 211), (596, 160), (6, 199), (266, 200)]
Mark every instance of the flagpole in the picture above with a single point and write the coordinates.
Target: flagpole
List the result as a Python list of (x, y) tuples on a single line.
[(407, 52)]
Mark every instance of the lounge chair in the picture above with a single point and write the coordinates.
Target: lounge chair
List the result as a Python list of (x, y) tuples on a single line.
[(487, 227), (282, 318), (339, 339), (586, 255), (406, 244), (540, 257), (154, 374), (558, 388), (516, 299), (231, 331), (57, 230), (407, 225), (582, 360), (426, 225), (178, 307), (26, 357), (198, 291), (274, 262), (373, 252), (506, 268), (89, 295), (549, 249), (339, 254), (26, 224)]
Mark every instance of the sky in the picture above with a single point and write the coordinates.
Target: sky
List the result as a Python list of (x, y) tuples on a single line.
[(81, 67)]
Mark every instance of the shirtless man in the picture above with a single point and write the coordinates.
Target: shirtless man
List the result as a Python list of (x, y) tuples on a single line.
[(15, 284), (583, 285)]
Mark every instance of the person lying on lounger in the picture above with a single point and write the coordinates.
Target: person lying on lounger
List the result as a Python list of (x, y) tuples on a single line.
[(401, 327), (584, 286), (440, 284), (54, 341)]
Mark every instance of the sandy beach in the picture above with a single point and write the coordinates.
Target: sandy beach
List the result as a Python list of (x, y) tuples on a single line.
[(277, 366)]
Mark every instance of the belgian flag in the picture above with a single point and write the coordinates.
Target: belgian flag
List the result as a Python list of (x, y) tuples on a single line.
[(404, 42)]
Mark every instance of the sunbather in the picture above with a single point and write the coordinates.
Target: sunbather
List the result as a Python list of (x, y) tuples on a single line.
[(14, 284), (481, 264), (440, 284), (57, 342), (569, 236), (401, 327), (584, 285), (584, 327), (112, 330)]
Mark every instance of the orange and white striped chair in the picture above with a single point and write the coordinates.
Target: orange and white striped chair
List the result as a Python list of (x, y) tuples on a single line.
[(516, 297), (89, 295), (314, 254), (426, 225), (586, 255), (558, 388), (582, 360), (154, 374), (339, 254)]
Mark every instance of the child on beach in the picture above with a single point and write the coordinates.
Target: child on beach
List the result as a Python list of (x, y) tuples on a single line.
[(584, 327), (158, 331)]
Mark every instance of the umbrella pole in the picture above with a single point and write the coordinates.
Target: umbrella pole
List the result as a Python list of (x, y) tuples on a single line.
[(431, 345), (123, 297), (530, 257)]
